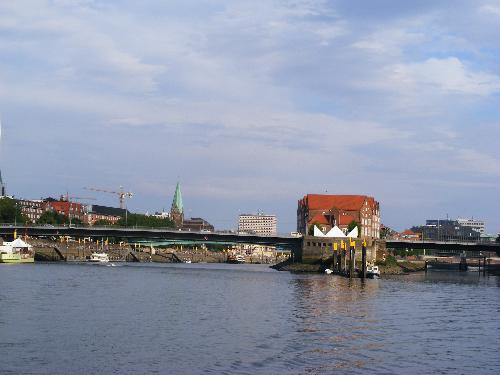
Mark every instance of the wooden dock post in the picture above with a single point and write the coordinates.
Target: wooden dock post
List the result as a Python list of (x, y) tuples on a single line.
[(363, 259), (352, 254), (343, 258), (335, 257)]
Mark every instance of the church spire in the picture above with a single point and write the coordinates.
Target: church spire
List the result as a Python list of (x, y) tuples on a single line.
[(177, 202), (177, 210)]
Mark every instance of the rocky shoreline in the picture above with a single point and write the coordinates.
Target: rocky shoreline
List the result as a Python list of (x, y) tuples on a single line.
[(399, 268)]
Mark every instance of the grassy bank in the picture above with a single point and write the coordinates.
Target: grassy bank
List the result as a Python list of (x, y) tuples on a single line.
[(391, 266)]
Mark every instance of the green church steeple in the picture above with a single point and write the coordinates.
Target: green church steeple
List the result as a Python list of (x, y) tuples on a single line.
[(177, 210), (177, 202)]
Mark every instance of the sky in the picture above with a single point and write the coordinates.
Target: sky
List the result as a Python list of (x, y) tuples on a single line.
[(253, 104)]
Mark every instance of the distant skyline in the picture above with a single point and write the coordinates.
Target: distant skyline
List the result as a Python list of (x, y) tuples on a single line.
[(251, 105)]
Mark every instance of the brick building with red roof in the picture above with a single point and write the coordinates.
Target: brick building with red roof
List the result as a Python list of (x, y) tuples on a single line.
[(71, 210), (329, 210)]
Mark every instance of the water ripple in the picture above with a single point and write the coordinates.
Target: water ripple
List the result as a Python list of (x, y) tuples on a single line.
[(243, 319)]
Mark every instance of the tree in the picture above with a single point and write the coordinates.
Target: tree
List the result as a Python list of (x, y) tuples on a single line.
[(52, 217), (353, 224), (498, 238), (311, 228), (138, 220), (10, 212), (102, 223)]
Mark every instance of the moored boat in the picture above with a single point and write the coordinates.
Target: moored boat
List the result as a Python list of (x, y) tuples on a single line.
[(235, 259), (98, 258), (16, 251), (372, 272)]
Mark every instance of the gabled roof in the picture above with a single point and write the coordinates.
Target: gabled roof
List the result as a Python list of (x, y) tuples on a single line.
[(335, 232), (319, 219), (346, 219), (317, 232), (343, 202)]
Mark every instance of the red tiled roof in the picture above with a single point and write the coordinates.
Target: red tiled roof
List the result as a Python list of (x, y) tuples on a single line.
[(343, 202), (64, 206), (408, 232), (320, 219), (345, 219)]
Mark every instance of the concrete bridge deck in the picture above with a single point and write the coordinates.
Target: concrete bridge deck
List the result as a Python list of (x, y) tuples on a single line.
[(149, 234), (444, 246)]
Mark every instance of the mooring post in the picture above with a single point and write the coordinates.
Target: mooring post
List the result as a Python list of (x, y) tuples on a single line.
[(351, 260), (343, 256), (363, 259), (335, 256), (484, 266)]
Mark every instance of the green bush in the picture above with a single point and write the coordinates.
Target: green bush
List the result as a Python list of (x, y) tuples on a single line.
[(389, 261)]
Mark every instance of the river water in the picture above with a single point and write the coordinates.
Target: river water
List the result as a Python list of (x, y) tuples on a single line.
[(243, 319)]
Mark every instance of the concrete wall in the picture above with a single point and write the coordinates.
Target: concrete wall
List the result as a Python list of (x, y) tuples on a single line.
[(317, 249)]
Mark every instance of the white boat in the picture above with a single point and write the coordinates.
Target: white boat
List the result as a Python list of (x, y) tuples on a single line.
[(328, 271), (372, 272), (99, 258), (187, 261)]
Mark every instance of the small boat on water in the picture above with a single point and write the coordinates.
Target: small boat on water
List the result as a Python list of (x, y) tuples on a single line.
[(235, 259), (328, 271), (16, 251), (98, 258), (372, 272)]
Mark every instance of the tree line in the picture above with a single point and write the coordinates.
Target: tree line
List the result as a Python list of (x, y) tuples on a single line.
[(10, 212)]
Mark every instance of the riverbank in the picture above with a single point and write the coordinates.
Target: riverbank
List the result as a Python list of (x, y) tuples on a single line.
[(402, 268), (386, 268)]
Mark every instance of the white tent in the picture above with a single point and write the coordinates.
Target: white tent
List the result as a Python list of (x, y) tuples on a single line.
[(19, 244), (353, 233), (335, 232), (317, 232)]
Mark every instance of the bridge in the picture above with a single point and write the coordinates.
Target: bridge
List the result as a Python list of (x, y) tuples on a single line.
[(444, 246), (165, 236), (151, 234)]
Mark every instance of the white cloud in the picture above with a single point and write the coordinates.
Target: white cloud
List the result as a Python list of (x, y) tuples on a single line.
[(490, 9), (390, 41), (261, 90), (448, 75)]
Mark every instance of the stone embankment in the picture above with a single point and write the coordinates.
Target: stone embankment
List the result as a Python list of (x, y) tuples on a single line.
[(393, 268), (289, 266), (50, 250), (401, 268)]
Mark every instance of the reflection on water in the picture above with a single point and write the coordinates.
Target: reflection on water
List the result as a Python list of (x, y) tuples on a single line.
[(205, 318)]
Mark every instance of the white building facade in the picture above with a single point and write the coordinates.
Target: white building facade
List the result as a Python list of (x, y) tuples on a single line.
[(477, 225), (261, 224)]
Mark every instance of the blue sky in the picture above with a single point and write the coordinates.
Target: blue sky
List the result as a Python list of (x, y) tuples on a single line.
[(251, 105)]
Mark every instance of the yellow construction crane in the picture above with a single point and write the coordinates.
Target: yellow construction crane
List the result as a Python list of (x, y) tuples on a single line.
[(121, 194)]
